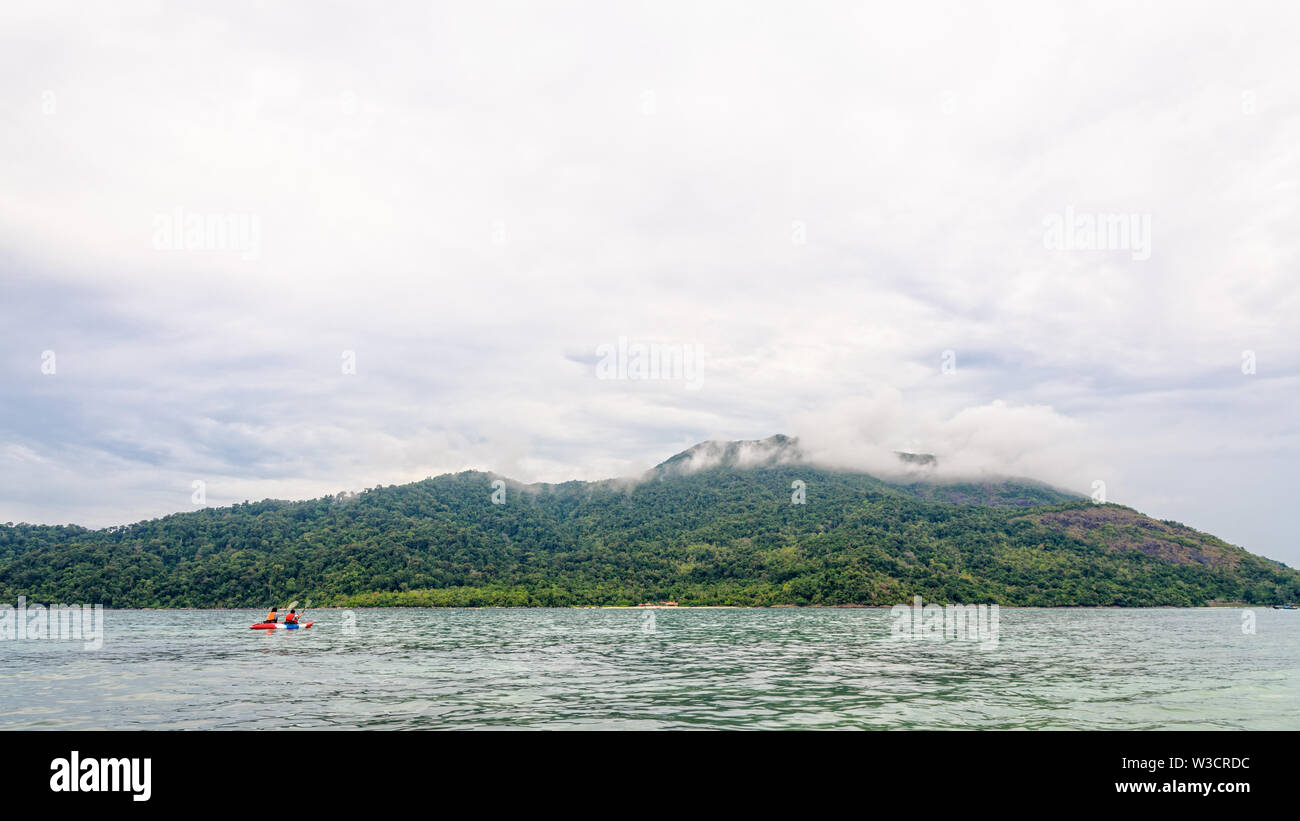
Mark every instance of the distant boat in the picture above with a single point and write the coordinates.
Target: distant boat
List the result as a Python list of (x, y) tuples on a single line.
[(1285, 607)]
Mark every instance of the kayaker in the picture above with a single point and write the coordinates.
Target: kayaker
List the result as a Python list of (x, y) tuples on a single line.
[(292, 618), (273, 616)]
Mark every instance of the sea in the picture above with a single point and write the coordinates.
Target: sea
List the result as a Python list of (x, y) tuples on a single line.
[(668, 668)]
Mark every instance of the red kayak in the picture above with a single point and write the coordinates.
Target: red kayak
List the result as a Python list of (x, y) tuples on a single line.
[(266, 625)]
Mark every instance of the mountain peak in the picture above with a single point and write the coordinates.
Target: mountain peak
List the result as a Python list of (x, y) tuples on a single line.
[(752, 453), (777, 449), (917, 460)]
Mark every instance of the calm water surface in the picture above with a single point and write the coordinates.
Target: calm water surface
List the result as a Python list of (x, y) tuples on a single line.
[(563, 669)]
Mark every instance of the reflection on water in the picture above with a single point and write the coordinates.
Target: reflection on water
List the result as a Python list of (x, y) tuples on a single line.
[(771, 669)]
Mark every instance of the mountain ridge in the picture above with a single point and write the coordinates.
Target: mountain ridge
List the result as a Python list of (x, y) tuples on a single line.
[(718, 523)]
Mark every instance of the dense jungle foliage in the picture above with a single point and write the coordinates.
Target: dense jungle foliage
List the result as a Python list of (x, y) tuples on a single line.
[(722, 536)]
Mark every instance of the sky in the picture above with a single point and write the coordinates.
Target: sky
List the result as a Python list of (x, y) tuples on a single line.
[(286, 249)]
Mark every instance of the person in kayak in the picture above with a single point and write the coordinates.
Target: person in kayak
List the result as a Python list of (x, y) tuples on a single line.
[(273, 616), (292, 618)]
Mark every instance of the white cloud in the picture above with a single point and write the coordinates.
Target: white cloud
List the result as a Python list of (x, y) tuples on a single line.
[(470, 196)]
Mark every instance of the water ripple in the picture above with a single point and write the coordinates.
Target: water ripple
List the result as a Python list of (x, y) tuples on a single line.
[(599, 669)]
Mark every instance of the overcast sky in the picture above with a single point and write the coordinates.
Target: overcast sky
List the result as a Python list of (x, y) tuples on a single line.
[(863, 224)]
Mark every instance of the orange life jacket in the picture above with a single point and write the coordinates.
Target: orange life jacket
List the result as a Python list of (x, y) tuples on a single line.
[(270, 617)]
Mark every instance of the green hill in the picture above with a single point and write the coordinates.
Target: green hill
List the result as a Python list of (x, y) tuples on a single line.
[(713, 525)]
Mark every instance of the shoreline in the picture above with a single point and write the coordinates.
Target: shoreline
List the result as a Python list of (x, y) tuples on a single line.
[(1234, 606)]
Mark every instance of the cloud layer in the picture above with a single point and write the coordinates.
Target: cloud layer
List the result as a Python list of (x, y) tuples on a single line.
[(845, 207)]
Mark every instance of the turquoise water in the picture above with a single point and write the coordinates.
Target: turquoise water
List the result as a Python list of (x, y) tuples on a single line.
[(690, 669)]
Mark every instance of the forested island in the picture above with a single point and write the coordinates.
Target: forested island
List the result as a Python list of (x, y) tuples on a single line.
[(723, 532)]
